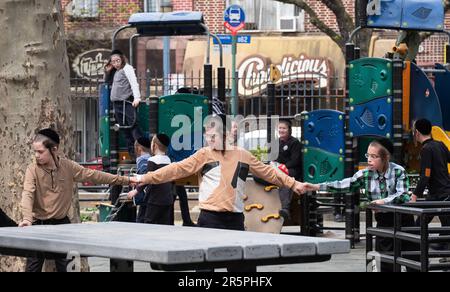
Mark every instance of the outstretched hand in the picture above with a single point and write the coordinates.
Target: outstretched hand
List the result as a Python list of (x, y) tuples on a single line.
[(134, 180), (301, 188)]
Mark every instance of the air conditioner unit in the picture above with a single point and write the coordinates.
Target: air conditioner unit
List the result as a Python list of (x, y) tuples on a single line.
[(287, 23), (83, 8)]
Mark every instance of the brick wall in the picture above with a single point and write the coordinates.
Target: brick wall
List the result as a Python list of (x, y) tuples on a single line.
[(326, 15), (213, 13), (183, 5), (112, 13)]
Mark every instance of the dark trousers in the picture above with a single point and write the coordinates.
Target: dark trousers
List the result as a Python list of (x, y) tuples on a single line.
[(225, 220), (285, 198), (180, 191), (384, 245), (5, 221), (338, 199), (445, 220), (133, 133), (35, 264), (156, 214)]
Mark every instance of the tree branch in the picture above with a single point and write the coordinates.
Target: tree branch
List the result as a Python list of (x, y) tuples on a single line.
[(315, 20), (343, 18)]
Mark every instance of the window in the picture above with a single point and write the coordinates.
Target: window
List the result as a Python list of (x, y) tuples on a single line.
[(271, 15), (158, 5), (83, 8)]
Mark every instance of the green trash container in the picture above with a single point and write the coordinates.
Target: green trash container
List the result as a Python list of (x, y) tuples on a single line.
[(104, 212)]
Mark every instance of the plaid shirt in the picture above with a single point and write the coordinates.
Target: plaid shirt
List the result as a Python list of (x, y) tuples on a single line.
[(392, 187)]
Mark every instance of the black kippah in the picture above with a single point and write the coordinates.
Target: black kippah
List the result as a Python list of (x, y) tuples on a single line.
[(144, 142), (423, 126), (164, 139), (51, 134), (386, 143), (116, 52)]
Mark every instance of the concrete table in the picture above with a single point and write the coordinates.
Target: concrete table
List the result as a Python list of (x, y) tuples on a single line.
[(170, 248)]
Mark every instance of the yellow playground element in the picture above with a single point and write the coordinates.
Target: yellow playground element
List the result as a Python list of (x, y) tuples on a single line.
[(440, 135)]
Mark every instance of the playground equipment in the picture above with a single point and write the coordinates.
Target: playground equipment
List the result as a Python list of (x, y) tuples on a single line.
[(155, 115), (386, 95)]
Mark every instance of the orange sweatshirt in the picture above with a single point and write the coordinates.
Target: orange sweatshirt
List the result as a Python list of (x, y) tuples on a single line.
[(222, 177)]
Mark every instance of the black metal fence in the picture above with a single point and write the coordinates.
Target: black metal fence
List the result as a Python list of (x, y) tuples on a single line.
[(292, 95), (421, 235)]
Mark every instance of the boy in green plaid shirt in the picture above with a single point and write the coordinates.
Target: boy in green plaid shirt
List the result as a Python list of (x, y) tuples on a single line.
[(383, 182)]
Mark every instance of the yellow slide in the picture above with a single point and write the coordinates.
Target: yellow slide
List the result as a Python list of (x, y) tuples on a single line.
[(440, 135)]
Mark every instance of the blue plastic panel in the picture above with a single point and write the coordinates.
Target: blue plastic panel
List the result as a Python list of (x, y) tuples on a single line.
[(442, 87), (423, 15), (424, 101), (103, 108), (391, 15), (373, 118), (324, 129)]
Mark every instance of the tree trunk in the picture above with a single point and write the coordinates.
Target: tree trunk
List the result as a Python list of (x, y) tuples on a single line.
[(34, 93)]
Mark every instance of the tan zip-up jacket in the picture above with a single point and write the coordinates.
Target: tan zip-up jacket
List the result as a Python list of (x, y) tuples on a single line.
[(222, 177), (47, 194)]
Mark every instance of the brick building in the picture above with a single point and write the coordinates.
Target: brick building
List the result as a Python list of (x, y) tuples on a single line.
[(280, 34)]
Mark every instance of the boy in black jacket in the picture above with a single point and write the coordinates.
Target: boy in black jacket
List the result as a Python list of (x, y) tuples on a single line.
[(159, 198), (434, 175)]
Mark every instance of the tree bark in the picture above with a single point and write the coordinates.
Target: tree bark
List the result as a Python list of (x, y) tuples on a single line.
[(34, 93)]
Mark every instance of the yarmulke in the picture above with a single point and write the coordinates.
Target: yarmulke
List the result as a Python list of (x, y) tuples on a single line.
[(144, 142), (51, 134), (386, 143), (164, 139), (116, 52)]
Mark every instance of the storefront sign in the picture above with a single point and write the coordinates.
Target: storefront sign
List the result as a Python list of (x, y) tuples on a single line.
[(90, 64), (254, 72)]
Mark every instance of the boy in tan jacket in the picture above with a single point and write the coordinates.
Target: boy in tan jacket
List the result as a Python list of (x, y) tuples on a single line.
[(48, 188)]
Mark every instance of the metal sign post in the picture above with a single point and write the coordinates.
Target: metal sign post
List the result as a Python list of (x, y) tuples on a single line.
[(234, 17)]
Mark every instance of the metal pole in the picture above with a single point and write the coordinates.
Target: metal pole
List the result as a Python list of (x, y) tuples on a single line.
[(166, 64), (398, 110), (207, 71), (114, 36), (271, 109), (234, 105), (221, 90), (131, 48)]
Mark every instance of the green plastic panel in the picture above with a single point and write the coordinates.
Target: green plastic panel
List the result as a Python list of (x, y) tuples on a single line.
[(320, 166), (369, 78), (181, 104), (103, 138)]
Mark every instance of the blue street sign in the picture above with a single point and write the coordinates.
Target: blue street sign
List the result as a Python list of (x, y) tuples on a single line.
[(227, 39), (234, 15)]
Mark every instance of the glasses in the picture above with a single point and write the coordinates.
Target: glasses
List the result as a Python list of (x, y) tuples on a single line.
[(118, 61), (372, 156)]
